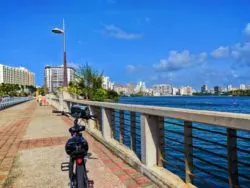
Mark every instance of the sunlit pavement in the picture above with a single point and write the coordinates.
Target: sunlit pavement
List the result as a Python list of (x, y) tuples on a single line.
[(32, 148)]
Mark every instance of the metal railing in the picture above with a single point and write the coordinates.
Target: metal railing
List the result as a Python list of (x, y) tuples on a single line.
[(204, 148), (13, 101)]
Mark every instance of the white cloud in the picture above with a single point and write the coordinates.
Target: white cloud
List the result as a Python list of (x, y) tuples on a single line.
[(179, 60), (221, 52), (116, 32), (130, 68), (241, 53), (234, 74), (246, 31)]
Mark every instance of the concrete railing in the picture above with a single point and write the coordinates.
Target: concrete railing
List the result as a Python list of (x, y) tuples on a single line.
[(13, 101), (198, 134)]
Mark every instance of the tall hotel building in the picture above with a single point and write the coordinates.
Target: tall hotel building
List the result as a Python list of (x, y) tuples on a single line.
[(53, 77), (16, 75)]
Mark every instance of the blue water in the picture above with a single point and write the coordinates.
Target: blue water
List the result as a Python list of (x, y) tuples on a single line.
[(216, 162)]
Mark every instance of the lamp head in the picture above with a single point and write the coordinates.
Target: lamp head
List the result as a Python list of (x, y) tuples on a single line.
[(58, 31)]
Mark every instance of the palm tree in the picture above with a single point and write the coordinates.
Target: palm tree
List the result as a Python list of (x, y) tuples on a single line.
[(89, 80)]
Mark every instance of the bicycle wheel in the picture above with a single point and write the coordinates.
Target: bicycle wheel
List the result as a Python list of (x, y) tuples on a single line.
[(81, 176)]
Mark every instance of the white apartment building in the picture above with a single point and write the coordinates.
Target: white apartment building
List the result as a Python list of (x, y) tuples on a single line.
[(106, 83), (187, 90), (140, 87), (16, 75), (121, 89), (53, 77), (229, 87), (162, 90), (175, 91), (243, 87)]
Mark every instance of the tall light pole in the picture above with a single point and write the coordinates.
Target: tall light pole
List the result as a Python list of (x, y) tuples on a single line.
[(62, 31)]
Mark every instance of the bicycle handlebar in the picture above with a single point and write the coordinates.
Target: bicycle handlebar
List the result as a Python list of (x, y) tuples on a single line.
[(79, 116), (61, 112)]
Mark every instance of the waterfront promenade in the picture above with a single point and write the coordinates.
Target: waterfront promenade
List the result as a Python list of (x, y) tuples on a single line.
[(32, 148), (174, 147)]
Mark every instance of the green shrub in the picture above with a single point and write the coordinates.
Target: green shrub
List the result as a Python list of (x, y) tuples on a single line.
[(100, 95)]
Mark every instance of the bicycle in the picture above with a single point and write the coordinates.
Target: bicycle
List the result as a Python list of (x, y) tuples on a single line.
[(77, 148)]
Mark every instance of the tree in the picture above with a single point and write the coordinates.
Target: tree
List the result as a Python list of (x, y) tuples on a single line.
[(89, 80), (100, 95), (42, 90), (113, 95), (31, 88), (89, 84), (9, 89)]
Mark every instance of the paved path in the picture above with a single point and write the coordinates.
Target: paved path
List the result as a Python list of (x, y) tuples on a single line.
[(32, 147)]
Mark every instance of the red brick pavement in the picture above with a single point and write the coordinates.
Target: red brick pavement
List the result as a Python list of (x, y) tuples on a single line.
[(10, 137), (128, 175), (42, 142), (11, 141)]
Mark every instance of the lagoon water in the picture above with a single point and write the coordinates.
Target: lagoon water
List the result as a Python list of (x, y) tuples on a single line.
[(224, 104), (174, 153)]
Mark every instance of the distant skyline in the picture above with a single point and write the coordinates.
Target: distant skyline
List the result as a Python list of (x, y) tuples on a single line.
[(176, 42)]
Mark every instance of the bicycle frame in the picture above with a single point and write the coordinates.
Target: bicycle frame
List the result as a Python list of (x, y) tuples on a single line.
[(78, 159), (77, 148)]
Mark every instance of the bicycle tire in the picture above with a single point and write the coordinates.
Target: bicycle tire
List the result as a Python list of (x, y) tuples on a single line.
[(81, 176)]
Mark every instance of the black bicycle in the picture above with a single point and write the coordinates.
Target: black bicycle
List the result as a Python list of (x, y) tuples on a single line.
[(77, 148)]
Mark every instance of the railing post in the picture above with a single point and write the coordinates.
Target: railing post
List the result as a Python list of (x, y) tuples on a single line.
[(133, 131), (232, 158), (188, 150), (149, 139), (113, 123), (160, 148), (66, 106), (61, 105), (97, 113), (91, 123), (107, 123), (121, 126), (95, 124)]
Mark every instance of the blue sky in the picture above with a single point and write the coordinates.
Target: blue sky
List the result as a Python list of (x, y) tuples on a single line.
[(166, 41)]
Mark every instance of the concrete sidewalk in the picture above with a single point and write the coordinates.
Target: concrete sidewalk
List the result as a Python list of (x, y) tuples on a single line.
[(32, 148)]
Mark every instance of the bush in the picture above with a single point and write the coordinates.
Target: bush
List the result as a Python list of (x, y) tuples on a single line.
[(113, 95), (100, 95)]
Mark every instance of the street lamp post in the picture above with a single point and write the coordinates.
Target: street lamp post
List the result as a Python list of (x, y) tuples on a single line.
[(62, 31)]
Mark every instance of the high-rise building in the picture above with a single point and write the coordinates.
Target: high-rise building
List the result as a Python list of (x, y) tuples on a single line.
[(121, 89), (140, 87), (16, 75), (53, 77), (131, 88), (107, 84), (162, 89), (243, 86), (217, 90), (229, 87), (187, 90), (204, 88), (175, 91)]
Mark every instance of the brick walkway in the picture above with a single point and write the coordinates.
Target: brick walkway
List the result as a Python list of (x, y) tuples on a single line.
[(10, 137), (14, 141)]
